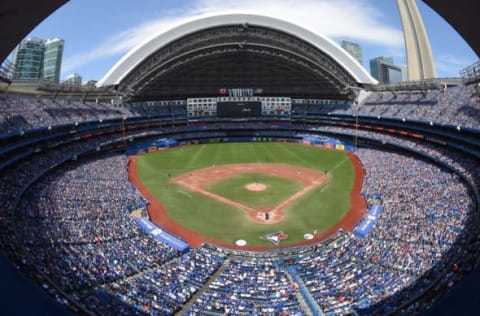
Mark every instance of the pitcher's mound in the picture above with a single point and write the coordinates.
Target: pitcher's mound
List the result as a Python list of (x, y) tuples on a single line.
[(255, 187)]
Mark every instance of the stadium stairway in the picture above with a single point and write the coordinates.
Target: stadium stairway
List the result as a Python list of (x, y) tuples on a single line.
[(199, 293), (299, 296), (310, 305)]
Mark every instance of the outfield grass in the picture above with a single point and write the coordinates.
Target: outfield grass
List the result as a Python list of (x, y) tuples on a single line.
[(319, 209), (278, 189)]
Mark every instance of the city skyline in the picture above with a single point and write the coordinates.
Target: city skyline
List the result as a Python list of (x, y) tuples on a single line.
[(36, 58), (373, 24)]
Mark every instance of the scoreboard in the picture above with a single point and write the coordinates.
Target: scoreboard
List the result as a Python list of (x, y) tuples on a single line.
[(233, 109), (238, 107)]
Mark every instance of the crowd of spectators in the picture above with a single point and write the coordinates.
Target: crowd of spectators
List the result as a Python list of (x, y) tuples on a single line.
[(426, 222), (305, 109), (155, 110), (83, 226), (467, 166), (249, 286), (17, 176), (21, 113), (25, 112), (159, 290), (457, 105), (73, 225), (454, 105)]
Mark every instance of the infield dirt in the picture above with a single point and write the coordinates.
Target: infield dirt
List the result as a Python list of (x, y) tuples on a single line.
[(199, 180)]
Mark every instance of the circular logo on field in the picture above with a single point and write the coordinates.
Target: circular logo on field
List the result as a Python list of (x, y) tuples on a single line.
[(308, 236), (241, 242)]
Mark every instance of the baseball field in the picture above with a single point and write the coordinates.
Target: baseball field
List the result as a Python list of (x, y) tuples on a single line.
[(246, 191)]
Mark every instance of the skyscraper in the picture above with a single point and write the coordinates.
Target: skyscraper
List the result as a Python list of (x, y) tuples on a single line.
[(28, 59), (353, 49), (384, 70), (6, 69), (419, 54), (52, 59), (35, 59)]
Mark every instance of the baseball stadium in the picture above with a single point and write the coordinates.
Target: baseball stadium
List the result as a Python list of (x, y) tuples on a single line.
[(239, 164)]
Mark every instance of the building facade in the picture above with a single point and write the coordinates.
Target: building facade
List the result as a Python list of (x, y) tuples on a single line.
[(6, 70), (74, 80), (353, 49), (52, 59), (28, 59), (38, 59), (384, 70)]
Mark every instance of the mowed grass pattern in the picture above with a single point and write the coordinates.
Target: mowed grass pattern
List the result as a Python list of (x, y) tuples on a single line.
[(319, 209), (278, 189)]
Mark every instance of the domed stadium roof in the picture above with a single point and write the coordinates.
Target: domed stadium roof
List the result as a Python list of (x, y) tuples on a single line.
[(21, 16), (236, 51)]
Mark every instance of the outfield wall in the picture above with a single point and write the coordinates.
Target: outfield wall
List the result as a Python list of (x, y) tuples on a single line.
[(158, 145)]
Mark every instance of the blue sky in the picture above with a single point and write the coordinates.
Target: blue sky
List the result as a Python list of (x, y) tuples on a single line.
[(98, 33)]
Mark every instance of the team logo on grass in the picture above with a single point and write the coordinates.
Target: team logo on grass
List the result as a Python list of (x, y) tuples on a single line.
[(276, 237)]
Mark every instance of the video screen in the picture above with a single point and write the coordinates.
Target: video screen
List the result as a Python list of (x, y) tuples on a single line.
[(239, 109)]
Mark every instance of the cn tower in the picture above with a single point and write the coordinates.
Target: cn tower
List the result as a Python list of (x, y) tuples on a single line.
[(420, 63)]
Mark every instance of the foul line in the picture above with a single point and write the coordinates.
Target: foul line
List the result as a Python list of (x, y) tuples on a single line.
[(298, 194), (240, 206), (185, 193), (215, 197), (339, 164), (326, 185)]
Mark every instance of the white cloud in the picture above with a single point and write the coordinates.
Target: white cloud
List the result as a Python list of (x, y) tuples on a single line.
[(119, 43), (353, 19), (356, 19)]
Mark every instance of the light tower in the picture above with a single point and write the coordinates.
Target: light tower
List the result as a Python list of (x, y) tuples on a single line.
[(419, 54)]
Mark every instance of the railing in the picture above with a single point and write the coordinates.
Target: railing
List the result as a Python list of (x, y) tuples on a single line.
[(315, 310)]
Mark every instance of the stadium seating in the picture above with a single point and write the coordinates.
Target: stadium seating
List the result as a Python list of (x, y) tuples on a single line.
[(66, 223)]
